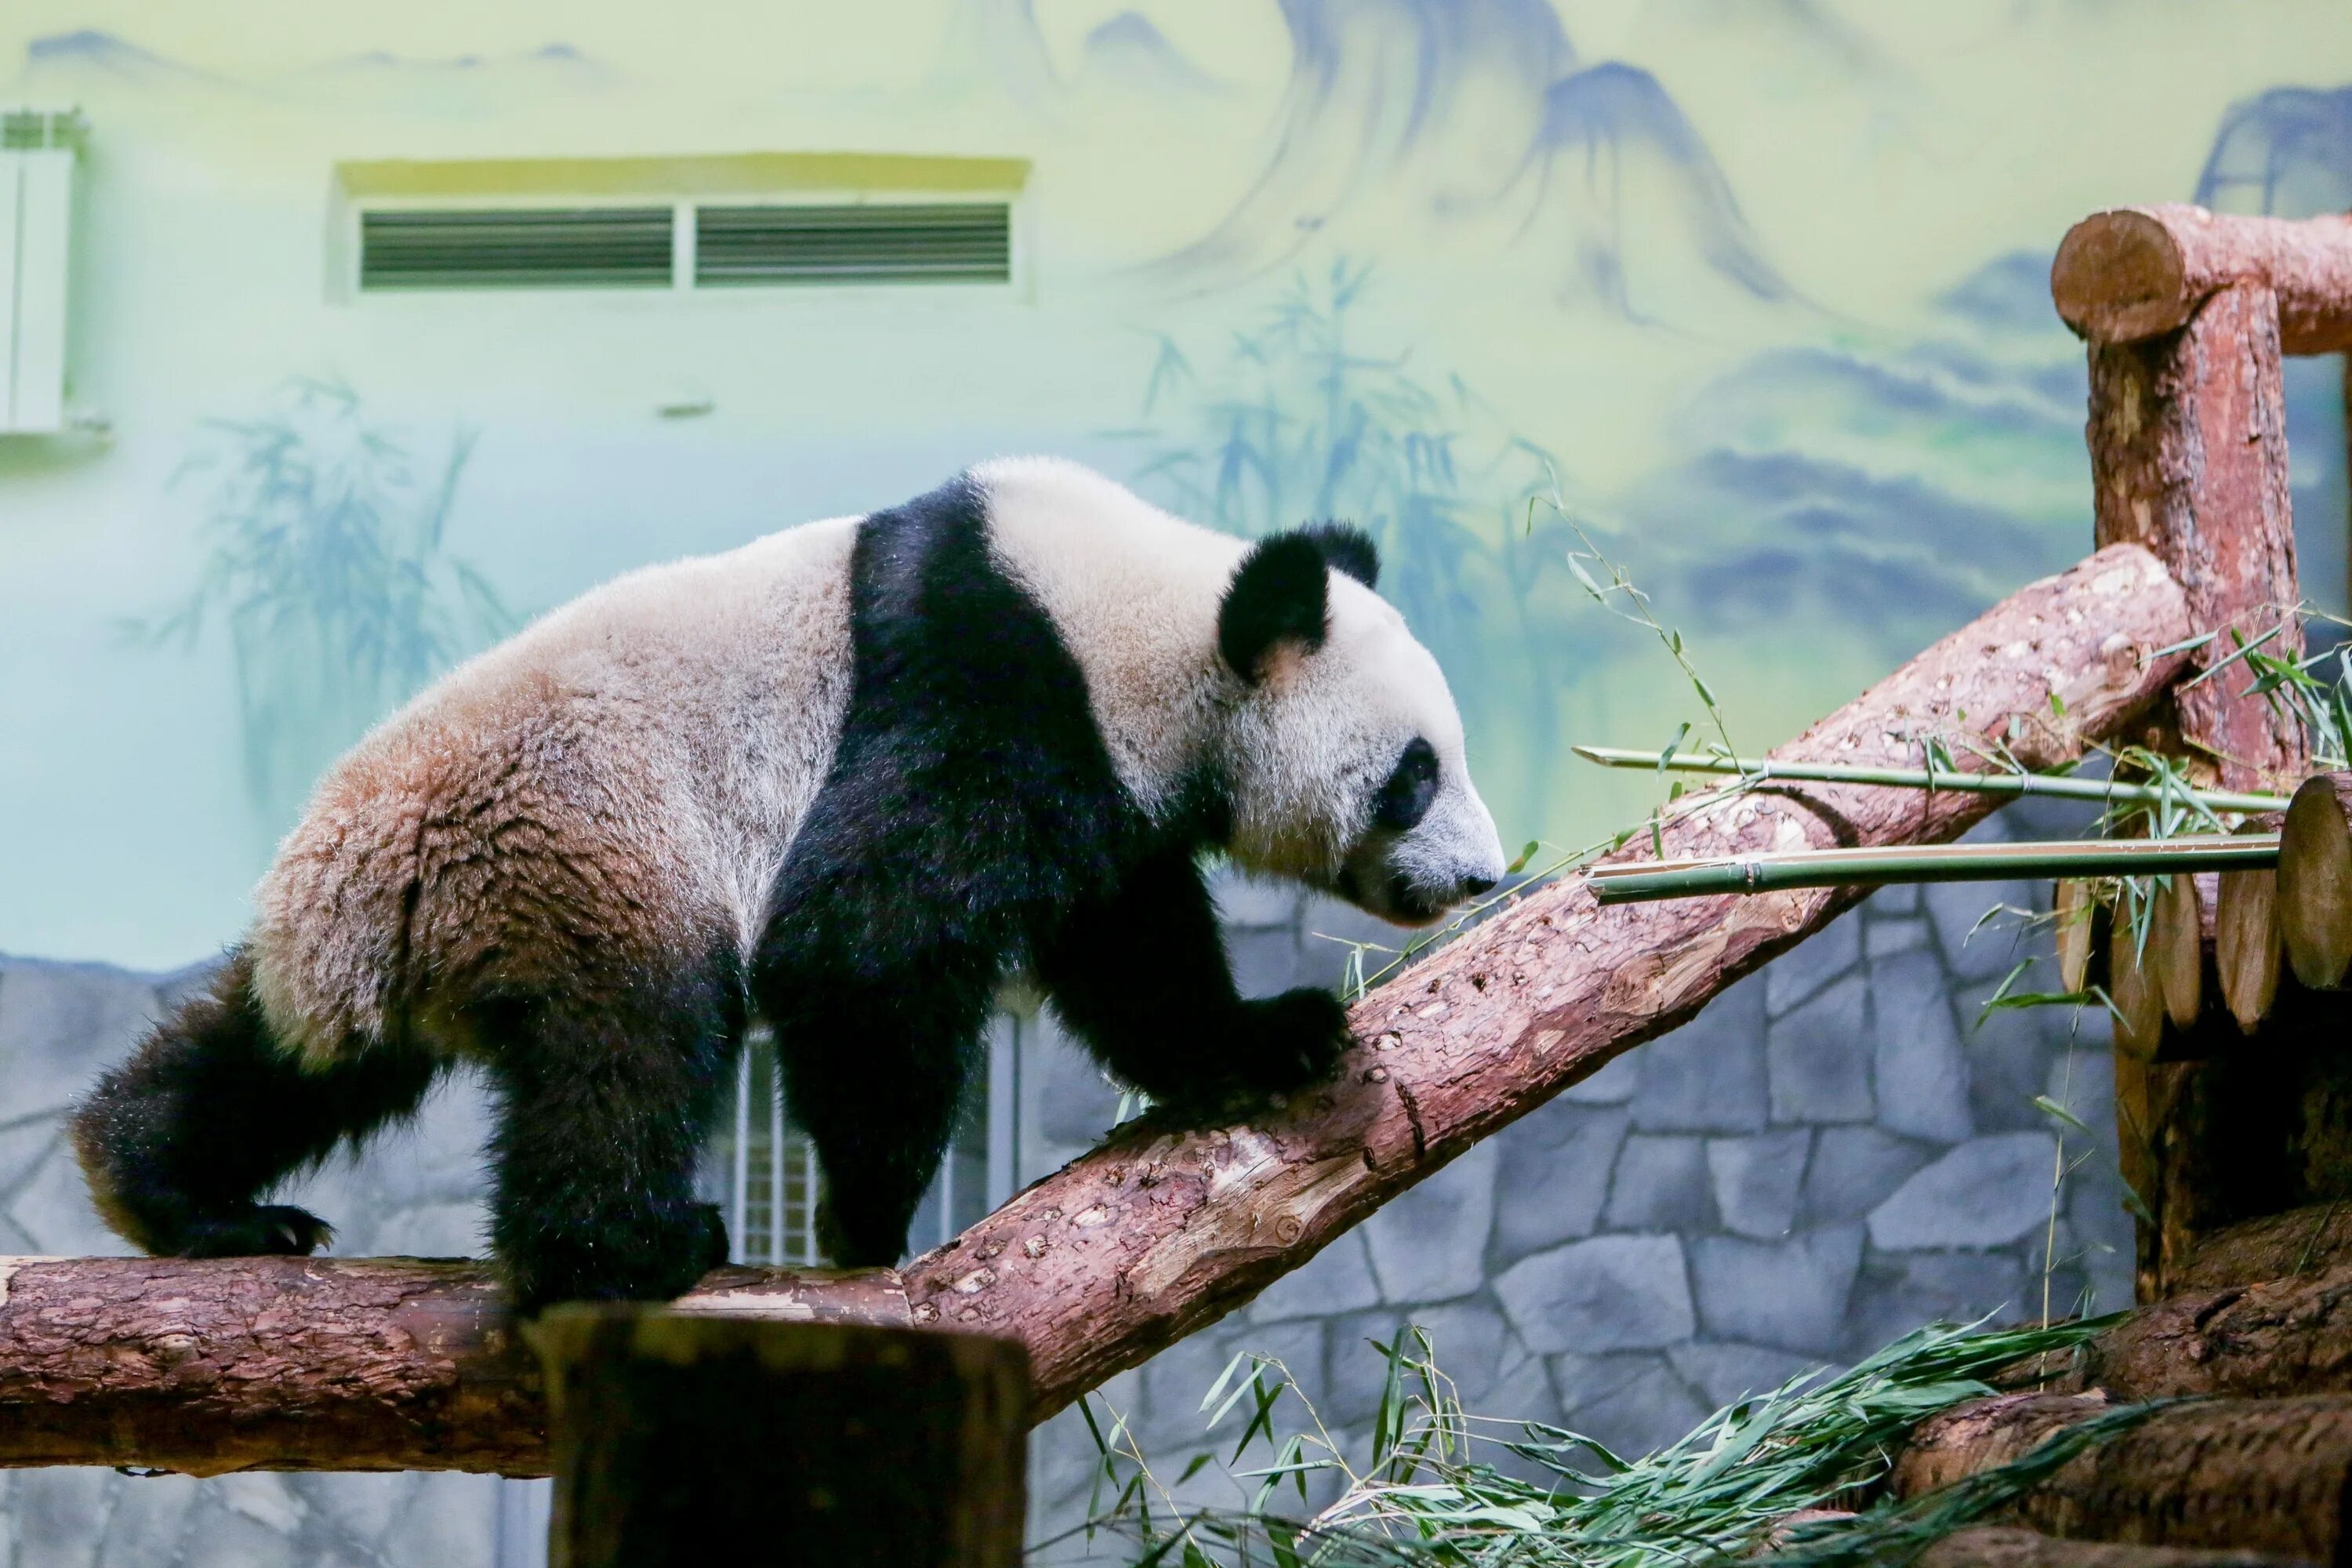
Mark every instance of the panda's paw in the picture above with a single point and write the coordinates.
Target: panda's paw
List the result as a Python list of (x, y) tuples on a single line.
[(1291, 1040), (263, 1230)]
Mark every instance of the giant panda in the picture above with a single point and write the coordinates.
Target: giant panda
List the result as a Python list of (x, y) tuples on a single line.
[(844, 779)]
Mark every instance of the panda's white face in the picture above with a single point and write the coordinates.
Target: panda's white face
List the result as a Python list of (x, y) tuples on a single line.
[(1346, 769)]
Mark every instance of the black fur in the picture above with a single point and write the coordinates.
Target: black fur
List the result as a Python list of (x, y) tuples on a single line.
[(605, 1102), (208, 1114), (1280, 595), (972, 818), (1348, 548)]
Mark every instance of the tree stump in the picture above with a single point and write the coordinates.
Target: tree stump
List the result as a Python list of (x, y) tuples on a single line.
[(686, 1438)]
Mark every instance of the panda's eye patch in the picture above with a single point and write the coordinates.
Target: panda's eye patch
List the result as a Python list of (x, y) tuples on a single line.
[(1405, 800)]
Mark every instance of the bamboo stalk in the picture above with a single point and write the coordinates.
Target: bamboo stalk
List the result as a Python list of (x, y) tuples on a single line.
[(1876, 867), (2048, 785)]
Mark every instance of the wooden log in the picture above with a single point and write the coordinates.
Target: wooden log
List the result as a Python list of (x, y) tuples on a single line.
[(1165, 1227), (2079, 927), (2248, 955), (2007, 1546), (686, 1439), (2187, 437), (2314, 880), (2269, 1475), (2313, 1238), (2137, 991), (2140, 272), (2285, 1336), (2181, 944)]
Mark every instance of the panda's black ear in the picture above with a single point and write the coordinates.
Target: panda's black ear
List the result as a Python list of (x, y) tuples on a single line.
[(1348, 548), (1280, 598)]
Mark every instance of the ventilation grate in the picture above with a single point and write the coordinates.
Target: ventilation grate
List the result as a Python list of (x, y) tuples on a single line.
[(966, 242), (586, 247)]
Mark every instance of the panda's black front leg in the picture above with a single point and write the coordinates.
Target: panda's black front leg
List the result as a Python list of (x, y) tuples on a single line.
[(1140, 976)]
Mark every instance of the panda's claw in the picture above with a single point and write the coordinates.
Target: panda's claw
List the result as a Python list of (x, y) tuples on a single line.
[(262, 1230), (1291, 1040)]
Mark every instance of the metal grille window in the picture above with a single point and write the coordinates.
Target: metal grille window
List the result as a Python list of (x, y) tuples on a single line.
[(596, 247), (964, 242)]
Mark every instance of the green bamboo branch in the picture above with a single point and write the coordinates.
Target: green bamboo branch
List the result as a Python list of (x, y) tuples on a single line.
[(2050, 785), (1763, 873)]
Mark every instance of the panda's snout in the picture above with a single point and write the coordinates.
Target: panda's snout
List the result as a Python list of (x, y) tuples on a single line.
[(1472, 886)]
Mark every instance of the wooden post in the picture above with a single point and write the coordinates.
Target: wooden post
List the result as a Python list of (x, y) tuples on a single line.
[(2189, 457), (692, 1438)]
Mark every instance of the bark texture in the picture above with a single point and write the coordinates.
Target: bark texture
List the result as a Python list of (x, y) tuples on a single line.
[(2300, 1241), (2139, 272), (2006, 1546), (2187, 436), (2247, 952), (2270, 1474), (1164, 1228), (2285, 1336)]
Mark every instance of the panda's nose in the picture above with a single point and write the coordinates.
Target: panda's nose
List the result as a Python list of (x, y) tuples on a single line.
[(1474, 885)]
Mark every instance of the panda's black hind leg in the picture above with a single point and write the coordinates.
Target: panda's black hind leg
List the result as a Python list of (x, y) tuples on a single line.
[(604, 1099), (181, 1142), (875, 1068)]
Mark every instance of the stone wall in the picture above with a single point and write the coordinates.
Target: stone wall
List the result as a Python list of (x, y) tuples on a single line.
[(1834, 1152)]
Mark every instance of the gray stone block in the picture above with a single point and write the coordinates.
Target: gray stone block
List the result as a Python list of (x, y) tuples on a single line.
[(183, 985), (449, 1520), (1819, 1058), (1898, 1294), (1336, 1280), (59, 1024), (265, 1497), (1468, 1339), (224, 1540), (1076, 1102), (1790, 1294), (1614, 1085), (1921, 1072), (1758, 1180), (1553, 1176), (1885, 937), (150, 1515), (1895, 899), (1632, 1405), (1266, 963), (52, 1208), (1981, 952), (430, 1230), (1723, 1371), (1988, 1192), (1659, 1184), (1429, 1243), (23, 1146), (1812, 964), (1610, 1293), (1709, 1075), (1244, 901), (2009, 1060), (358, 1508), (1852, 1171), (61, 1515)]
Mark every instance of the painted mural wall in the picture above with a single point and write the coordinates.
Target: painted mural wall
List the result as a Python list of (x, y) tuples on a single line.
[(1754, 289)]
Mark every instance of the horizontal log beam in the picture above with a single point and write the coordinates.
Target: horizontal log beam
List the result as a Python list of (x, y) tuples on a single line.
[(2269, 1475), (1164, 1228), (2290, 1335), (2307, 1240), (2006, 1546), (2140, 272)]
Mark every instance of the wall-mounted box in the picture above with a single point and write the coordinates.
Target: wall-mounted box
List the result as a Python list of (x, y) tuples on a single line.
[(38, 152)]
